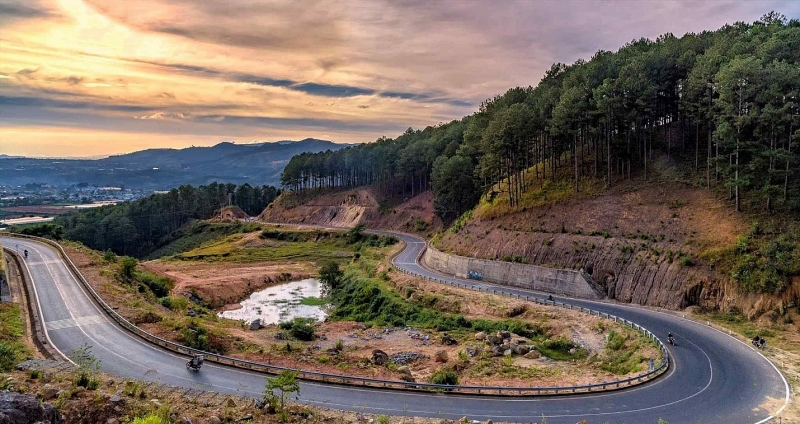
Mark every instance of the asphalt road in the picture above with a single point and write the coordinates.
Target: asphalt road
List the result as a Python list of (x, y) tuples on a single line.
[(714, 378)]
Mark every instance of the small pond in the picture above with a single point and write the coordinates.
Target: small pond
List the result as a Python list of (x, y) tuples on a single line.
[(283, 302)]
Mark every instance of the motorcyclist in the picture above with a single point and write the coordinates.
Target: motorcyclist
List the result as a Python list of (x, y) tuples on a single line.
[(196, 362), (671, 339), (26, 253)]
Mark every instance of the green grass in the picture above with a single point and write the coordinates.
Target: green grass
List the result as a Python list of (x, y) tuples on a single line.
[(12, 348), (283, 245), (313, 301), (559, 349), (195, 234)]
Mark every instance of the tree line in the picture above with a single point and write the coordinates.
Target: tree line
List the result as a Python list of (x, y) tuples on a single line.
[(722, 103), (139, 227)]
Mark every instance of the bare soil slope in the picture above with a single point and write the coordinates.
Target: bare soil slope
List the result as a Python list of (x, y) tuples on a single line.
[(359, 206), (641, 241)]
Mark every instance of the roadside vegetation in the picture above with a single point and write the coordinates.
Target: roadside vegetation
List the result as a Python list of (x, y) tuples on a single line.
[(13, 348), (370, 306)]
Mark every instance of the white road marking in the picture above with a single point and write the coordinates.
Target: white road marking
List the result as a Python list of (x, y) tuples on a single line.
[(74, 322)]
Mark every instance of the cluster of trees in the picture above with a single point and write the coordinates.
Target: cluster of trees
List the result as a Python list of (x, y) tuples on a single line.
[(137, 228), (724, 103)]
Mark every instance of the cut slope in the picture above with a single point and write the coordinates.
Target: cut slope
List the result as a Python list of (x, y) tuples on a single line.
[(641, 241), (359, 206)]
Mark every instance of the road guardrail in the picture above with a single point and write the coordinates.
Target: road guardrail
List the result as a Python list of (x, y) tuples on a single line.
[(379, 383)]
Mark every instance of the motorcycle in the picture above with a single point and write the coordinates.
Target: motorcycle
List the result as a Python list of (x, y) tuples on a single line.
[(26, 254), (671, 340), (195, 363)]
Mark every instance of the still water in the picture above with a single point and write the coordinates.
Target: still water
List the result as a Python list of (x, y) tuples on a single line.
[(280, 303)]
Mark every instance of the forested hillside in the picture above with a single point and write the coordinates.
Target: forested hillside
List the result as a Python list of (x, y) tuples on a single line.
[(722, 103), (138, 228)]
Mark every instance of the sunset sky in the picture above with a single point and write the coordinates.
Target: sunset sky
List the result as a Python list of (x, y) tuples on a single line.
[(99, 77)]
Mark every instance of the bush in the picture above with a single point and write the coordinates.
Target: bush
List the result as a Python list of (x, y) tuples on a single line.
[(444, 376), (300, 328), (615, 341), (685, 261)]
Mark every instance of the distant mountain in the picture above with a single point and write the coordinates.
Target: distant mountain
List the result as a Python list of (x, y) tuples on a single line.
[(161, 169)]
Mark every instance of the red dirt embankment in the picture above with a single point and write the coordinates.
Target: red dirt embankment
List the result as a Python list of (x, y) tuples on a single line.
[(359, 206), (641, 241), (224, 285)]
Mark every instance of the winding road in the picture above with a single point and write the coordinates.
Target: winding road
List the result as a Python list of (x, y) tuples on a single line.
[(713, 378)]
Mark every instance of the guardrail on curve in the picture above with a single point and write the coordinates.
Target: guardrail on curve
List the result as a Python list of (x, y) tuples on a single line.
[(372, 382)]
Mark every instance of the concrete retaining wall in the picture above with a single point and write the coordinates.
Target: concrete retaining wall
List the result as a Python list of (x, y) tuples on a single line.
[(550, 280)]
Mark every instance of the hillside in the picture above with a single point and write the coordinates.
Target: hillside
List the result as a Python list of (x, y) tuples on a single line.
[(352, 207), (163, 169)]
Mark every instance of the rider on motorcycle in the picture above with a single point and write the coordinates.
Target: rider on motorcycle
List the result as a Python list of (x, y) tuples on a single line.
[(26, 253), (196, 362), (671, 339)]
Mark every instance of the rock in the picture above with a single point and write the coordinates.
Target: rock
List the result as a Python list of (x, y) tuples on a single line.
[(514, 348), (186, 420), (48, 393), (504, 335), (532, 355), (247, 417), (521, 342), (496, 351), (408, 378), (572, 351), (441, 356), (112, 421), (523, 350), (463, 420), (114, 399), (214, 420), (494, 340), (230, 403), (481, 336), (404, 370), (379, 357), (507, 352), (449, 341), (25, 408), (255, 324), (488, 421)]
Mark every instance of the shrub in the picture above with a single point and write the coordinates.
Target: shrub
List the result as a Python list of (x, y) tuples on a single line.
[(615, 340), (444, 376), (685, 261), (109, 256), (300, 328), (128, 267)]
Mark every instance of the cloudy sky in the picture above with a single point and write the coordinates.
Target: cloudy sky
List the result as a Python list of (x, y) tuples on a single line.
[(98, 77)]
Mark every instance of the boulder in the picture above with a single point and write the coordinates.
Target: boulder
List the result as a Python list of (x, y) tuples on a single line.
[(494, 340), (504, 335), (496, 351), (48, 393), (404, 370), (507, 352), (505, 346), (523, 350), (255, 324), (112, 421), (214, 420), (379, 357), (449, 341), (481, 336), (408, 378), (533, 354), (441, 356), (514, 348), (25, 408)]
